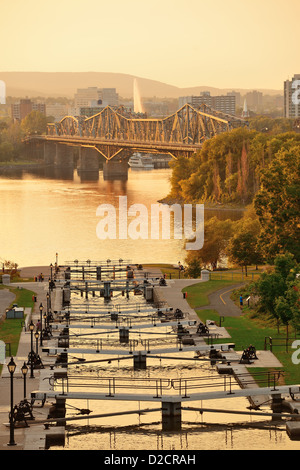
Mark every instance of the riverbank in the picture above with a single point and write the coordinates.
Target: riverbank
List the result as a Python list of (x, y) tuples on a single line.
[(22, 165), (207, 205)]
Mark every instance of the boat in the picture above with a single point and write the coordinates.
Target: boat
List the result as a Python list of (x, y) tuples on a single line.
[(141, 161)]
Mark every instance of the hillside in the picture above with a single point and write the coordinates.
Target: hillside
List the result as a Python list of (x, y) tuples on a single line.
[(31, 84)]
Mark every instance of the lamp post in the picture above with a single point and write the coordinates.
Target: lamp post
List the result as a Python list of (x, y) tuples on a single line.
[(41, 320), (11, 368), (36, 335), (31, 328), (48, 302), (24, 370)]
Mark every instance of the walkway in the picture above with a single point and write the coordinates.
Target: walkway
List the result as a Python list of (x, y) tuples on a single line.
[(174, 297), (221, 302), (40, 288)]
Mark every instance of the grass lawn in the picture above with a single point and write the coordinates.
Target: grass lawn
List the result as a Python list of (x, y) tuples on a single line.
[(10, 329), (246, 329), (198, 293)]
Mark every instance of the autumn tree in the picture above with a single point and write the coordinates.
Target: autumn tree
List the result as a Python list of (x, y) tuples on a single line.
[(216, 235), (277, 204)]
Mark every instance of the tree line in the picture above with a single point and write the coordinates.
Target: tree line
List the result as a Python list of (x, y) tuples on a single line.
[(12, 132), (228, 168), (269, 231)]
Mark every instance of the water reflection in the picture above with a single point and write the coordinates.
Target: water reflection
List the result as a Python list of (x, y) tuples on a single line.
[(142, 429), (51, 210)]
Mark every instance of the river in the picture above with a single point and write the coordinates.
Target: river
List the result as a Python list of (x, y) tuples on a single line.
[(47, 212)]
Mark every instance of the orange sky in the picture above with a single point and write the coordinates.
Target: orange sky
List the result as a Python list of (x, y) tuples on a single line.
[(235, 44)]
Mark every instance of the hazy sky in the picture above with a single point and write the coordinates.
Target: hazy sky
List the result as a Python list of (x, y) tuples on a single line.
[(222, 43)]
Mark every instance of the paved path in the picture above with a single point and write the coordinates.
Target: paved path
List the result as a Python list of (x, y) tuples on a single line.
[(40, 288), (174, 297), (221, 302)]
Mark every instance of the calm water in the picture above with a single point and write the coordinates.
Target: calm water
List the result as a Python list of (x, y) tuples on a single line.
[(209, 431), (52, 212), (47, 213)]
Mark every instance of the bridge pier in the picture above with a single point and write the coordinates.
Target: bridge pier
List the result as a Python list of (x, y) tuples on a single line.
[(171, 415), (115, 169), (139, 360), (49, 153), (88, 159), (124, 335), (277, 404), (64, 157)]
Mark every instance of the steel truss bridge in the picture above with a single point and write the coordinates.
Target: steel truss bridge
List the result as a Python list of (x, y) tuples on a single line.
[(113, 130)]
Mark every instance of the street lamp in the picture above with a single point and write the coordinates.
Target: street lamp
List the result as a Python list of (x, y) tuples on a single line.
[(31, 328), (36, 335), (41, 320), (48, 302), (24, 370), (11, 369)]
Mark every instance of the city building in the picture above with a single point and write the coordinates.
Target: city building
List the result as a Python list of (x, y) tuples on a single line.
[(57, 111), (238, 98), (22, 108), (292, 97), (224, 103), (92, 97)]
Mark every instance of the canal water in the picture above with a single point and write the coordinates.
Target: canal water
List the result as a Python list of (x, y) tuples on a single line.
[(131, 432), (47, 212)]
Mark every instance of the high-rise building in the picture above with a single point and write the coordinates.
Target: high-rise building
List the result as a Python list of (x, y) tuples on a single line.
[(224, 103), (21, 109), (292, 97), (94, 96)]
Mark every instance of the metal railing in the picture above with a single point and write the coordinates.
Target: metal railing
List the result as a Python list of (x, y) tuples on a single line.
[(181, 386), (271, 342), (110, 385)]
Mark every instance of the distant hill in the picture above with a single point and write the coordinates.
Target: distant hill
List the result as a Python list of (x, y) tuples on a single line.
[(48, 84)]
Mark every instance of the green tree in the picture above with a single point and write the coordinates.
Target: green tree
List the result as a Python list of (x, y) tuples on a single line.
[(194, 264), (216, 235), (243, 248), (34, 123), (287, 306), (279, 290)]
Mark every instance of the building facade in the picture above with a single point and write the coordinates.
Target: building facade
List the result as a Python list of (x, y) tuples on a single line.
[(24, 107), (224, 103), (92, 97), (291, 108)]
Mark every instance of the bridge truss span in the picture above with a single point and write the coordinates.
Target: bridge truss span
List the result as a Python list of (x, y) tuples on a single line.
[(183, 131)]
